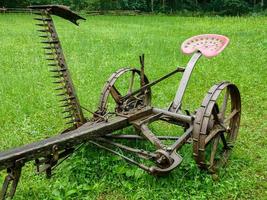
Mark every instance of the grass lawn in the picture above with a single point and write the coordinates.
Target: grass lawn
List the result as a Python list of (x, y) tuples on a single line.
[(29, 108)]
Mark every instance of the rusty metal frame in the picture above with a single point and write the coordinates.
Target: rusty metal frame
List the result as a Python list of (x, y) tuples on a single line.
[(208, 126)]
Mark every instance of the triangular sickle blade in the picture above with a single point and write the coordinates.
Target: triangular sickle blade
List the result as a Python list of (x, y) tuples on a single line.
[(61, 11)]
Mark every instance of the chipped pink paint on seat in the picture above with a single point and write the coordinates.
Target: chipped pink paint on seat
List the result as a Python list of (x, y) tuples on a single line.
[(209, 45)]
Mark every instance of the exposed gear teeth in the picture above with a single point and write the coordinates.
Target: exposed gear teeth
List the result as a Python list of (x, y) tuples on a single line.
[(67, 99), (65, 105), (50, 42), (50, 59), (49, 53), (57, 70), (67, 110), (60, 88), (42, 19), (41, 24), (48, 48), (63, 112), (57, 76), (61, 94), (57, 82), (54, 70), (43, 36), (69, 116), (52, 64), (43, 30)]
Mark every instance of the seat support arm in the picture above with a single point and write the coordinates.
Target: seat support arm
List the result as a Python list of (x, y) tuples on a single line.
[(176, 104)]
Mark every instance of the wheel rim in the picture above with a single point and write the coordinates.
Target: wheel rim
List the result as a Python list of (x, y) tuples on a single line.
[(121, 83), (216, 126)]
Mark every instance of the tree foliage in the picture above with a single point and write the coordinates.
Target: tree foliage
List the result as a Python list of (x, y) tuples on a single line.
[(228, 7)]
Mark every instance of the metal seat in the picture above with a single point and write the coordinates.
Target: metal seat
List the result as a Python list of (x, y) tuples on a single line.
[(209, 45)]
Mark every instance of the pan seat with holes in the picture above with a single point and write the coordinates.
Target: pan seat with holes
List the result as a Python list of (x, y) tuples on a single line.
[(210, 45)]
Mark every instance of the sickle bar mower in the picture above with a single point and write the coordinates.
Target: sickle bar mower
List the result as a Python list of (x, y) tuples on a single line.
[(212, 129)]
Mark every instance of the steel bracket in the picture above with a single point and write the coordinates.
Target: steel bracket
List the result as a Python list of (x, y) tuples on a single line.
[(12, 179)]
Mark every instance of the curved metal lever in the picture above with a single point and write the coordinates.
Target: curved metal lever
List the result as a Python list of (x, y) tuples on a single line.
[(61, 11), (177, 159)]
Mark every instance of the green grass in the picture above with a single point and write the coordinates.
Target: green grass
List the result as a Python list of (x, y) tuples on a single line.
[(103, 44)]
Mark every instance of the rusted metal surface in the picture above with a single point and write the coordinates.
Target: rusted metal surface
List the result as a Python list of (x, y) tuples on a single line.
[(57, 63), (177, 102), (45, 147), (149, 85), (59, 10), (142, 99), (12, 179), (138, 137), (212, 128)]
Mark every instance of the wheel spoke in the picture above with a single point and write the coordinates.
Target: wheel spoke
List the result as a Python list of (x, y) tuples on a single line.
[(216, 126), (231, 115), (131, 83), (225, 145), (212, 134), (224, 105), (115, 94), (215, 112), (213, 151), (116, 89)]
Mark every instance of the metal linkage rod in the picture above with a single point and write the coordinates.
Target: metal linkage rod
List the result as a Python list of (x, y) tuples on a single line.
[(138, 137), (177, 116), (178, 69), (142, 166), (182, 140), (140, 152)]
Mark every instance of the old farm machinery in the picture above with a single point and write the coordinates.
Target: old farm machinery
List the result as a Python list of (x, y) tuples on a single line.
[(212, 129)]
